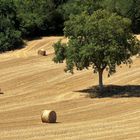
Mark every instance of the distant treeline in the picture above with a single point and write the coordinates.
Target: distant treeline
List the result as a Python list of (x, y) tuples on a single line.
[(23, 19)]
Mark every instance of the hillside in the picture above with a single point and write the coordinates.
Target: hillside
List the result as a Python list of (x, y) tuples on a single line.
[(32, 83)]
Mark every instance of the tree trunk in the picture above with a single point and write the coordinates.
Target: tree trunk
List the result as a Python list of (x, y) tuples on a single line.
[(100, 72)]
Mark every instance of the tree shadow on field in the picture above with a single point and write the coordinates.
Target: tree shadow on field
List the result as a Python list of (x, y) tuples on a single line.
[(114, 91)]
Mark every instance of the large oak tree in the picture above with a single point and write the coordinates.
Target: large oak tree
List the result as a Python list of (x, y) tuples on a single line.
[(101, 40)]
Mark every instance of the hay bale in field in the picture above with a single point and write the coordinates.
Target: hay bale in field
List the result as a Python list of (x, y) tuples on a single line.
[(42, 52), (1, 91), (138, 55), (48, 116), (46, 53)]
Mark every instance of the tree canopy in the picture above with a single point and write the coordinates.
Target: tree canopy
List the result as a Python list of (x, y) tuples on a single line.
[(126, 8), (25, 19), (75, 7), (39, 17), (10, 36), (100, 40), (28, 19)]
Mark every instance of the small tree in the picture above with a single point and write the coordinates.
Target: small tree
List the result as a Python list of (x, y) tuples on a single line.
[(101, 41)]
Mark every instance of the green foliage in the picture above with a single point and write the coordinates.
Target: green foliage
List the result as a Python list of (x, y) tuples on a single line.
[(101, 40), (39, 17), (75, 7), (126, 8), (60, 52), (33, 18), (28, 18), (10, 36)]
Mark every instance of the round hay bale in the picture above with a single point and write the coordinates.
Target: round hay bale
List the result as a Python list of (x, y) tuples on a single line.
[(48, 116), (46, 53), (1, 91), (42, 52), (138, 55)]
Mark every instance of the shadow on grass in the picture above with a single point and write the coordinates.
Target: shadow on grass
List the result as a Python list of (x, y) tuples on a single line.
[(115, 91), (51, 123), (33, 38)]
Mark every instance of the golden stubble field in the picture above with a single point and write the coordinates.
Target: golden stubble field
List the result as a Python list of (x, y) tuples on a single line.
[(32, 83)]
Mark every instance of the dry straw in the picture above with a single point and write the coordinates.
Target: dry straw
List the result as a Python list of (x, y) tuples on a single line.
[(48, 116)]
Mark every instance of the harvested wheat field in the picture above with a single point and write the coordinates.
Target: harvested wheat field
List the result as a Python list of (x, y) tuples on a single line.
[(31, 83)]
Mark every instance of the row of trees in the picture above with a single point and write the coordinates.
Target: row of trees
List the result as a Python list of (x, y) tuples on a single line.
[(31, 18), (39, 17), (126, 8), (28, 19)]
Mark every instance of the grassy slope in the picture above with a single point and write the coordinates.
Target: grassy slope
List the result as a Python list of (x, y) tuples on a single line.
[(33, 83)]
